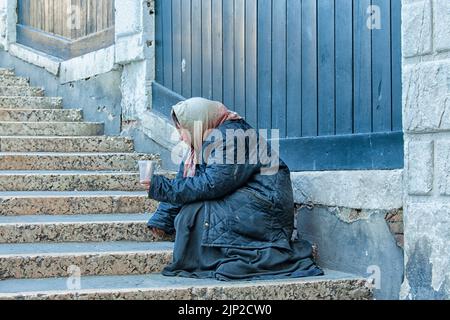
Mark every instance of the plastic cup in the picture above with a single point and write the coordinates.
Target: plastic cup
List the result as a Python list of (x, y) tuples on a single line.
[(146, 171)]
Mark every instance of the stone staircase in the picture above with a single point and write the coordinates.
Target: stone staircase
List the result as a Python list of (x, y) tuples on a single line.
[(70, 200)]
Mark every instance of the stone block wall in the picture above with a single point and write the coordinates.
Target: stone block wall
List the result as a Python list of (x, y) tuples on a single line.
[(426, 114), (355, 221)]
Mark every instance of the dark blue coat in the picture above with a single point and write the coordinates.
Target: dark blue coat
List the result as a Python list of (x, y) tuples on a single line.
[(244, 208)]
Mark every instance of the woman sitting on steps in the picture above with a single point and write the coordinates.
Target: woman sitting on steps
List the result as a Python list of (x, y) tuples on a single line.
[(233, 220)]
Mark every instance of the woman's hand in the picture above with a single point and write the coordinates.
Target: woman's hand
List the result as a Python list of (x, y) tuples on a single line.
[(158, 233), (146, 185)]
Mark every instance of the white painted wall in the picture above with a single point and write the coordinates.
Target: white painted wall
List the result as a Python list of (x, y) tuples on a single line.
[(8, 18)]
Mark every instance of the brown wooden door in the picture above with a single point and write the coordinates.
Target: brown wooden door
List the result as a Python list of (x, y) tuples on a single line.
[(66, 28)]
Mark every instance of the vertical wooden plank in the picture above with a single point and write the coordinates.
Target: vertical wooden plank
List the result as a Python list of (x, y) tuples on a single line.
[(176, 46), (38, 17), (45, 15), (25, 12), (196, 48), (38, 14), (111, 14), (57, 17), (294, 67), (217, 43), (167, 43), (239, 56), (49, 26), (77, 19), (396, 41), (68, 19), (228, 53), (83, 18), (52, 15), (381, 69), (206, 49), (187, 49), (265, 64), (251, 59), (72, 15), (63, 17), (159, 39), (326, 89), (92, 17), (105, 14), (107, 7), (309, 68), (61, 21), (35, 14), (362, 69), (32, 13), (279, 67), (100, 16), (28, 13), (42, 15), (344, 66)]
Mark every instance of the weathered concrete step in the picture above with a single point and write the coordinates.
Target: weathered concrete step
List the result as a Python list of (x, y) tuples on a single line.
[(51, 128), (74, 202), (72, 161), (48, 260), (44, 115), (10, 80), (30, 103), (66, 144), (17, 91), (69, 181), (333, 286), (79, 228), (6, 72)]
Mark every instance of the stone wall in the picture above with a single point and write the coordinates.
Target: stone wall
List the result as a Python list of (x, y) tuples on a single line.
[(7, 22), (3, 28), (355, 220), (426, 114)]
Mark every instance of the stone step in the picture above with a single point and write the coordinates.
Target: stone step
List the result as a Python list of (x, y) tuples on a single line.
[(333, 286), (14, 81), (17, 91), (6, 72), (51, 128), (76, 228), (66, 144), (74, 202), (44, 115), (72, 161), (30, 103), (49, 260), (69, 181)]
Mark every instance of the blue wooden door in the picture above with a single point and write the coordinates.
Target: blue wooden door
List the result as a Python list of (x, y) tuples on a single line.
[(326, 73)]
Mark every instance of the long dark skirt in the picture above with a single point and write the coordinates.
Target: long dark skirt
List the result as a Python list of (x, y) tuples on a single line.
[(193, 260)]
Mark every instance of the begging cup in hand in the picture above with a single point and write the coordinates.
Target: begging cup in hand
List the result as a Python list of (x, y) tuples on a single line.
[(146, 171)]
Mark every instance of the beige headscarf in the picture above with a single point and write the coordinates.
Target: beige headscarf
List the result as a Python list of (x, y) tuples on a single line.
[(198, 117)]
